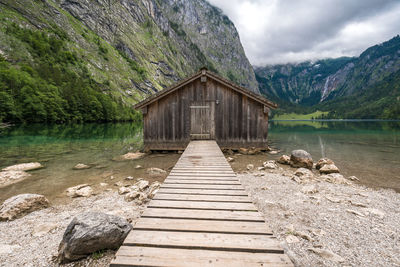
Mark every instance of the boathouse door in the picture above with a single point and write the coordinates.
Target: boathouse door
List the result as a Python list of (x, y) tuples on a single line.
[(202, 120)]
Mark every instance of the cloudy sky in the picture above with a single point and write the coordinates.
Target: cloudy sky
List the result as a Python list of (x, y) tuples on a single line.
[(281, 31)]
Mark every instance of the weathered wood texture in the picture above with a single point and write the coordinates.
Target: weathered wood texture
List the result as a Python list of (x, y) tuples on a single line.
[(205, 110), (204, 222)]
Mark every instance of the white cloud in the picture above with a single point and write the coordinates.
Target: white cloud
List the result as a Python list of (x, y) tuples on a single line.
[(281, 31)]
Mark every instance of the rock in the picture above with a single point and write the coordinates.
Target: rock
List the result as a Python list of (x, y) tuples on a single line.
[(154, 172), (142, 184), (377, 212), (273, 152), (119, 184), (129, 178), (270, 164), (284, 159), (43, 229), (230, 159), (290, 239), (318, 232), (82, 190), (322, 162), (8, 249), (260, 168), (309, 189), (123, 190), (250, 167), (20, 205), (335, 178), (303, 235), (153, 188), (355, 212), (253, 151), (243, 151), (24, 167), (91, 232), (132, 196), (11, 177), (81, 166), (103, 184), (329, 168), (130, 156), (303, 172), (301, 159), (353, 178), (138, 167), (327, 254)]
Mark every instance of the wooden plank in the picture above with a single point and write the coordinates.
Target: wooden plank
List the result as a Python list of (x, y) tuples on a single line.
[(211, 187), (193, 171), (202, 191), (151, 256), (202, 178), (165, 224), (220, 215), (191, 181), (215, 198), (203, 175), (231, 242), (201, 205)]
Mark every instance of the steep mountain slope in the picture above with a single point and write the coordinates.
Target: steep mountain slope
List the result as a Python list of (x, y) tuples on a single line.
[(364, 87), (90, 60), (310, 83)]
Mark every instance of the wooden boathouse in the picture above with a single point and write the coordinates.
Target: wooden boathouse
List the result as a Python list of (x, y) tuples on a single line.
[(205, 106)]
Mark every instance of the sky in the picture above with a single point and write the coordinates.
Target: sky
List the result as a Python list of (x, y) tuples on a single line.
[(288, 31)]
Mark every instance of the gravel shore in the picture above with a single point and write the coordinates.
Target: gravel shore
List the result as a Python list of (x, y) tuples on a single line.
[(33, 240), (318, 223), (324, 224)]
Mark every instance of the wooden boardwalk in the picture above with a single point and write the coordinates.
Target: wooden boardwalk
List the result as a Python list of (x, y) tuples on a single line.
[(201, 216)]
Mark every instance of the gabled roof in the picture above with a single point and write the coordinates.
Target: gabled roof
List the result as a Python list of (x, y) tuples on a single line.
[(211, 75)]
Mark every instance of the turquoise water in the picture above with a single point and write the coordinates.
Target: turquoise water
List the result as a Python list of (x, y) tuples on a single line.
[(368, 150)]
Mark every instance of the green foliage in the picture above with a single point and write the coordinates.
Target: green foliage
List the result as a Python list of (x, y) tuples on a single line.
[(55, 87), (232, 77), (177, 29), (134, 65)]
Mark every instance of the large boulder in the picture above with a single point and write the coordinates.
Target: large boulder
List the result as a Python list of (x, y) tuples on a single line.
[(20, 205), (11, 177), (323, 161), (329, 168), (24, 167), (301, 159), (90, 232)]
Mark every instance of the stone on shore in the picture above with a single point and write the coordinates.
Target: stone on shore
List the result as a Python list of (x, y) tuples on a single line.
[(323, 161), (91, 232), (142, 184), (329, 168), (284, 159), (81, 166), (327, 254), (24, 167), (123, 190), (153, 188), (300, 172), (20, 205), (270, 164), (11, 177), (250, 167), (230, 159), (82, 190), (335, 178), (301, 159)]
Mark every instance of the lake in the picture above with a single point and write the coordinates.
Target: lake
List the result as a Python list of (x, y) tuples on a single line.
[(368, 150)]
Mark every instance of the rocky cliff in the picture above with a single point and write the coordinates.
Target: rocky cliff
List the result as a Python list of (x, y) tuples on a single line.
[(125, 49)]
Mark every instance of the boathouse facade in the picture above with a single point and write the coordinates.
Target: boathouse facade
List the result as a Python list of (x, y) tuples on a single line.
[(208, 107)]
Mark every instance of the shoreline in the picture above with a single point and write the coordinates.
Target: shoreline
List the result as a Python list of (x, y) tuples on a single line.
[(360, 225)]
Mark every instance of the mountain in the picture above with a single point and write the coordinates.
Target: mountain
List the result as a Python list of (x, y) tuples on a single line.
[(84, 60), (360, 87)]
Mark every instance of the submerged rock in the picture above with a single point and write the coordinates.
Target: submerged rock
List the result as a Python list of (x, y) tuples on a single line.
[(154, 172), (301, 159), (329, 168), (24, 167), (81, 166), (130, 156), (82, 190), (20, 205), (11, 177), (91, 232)]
